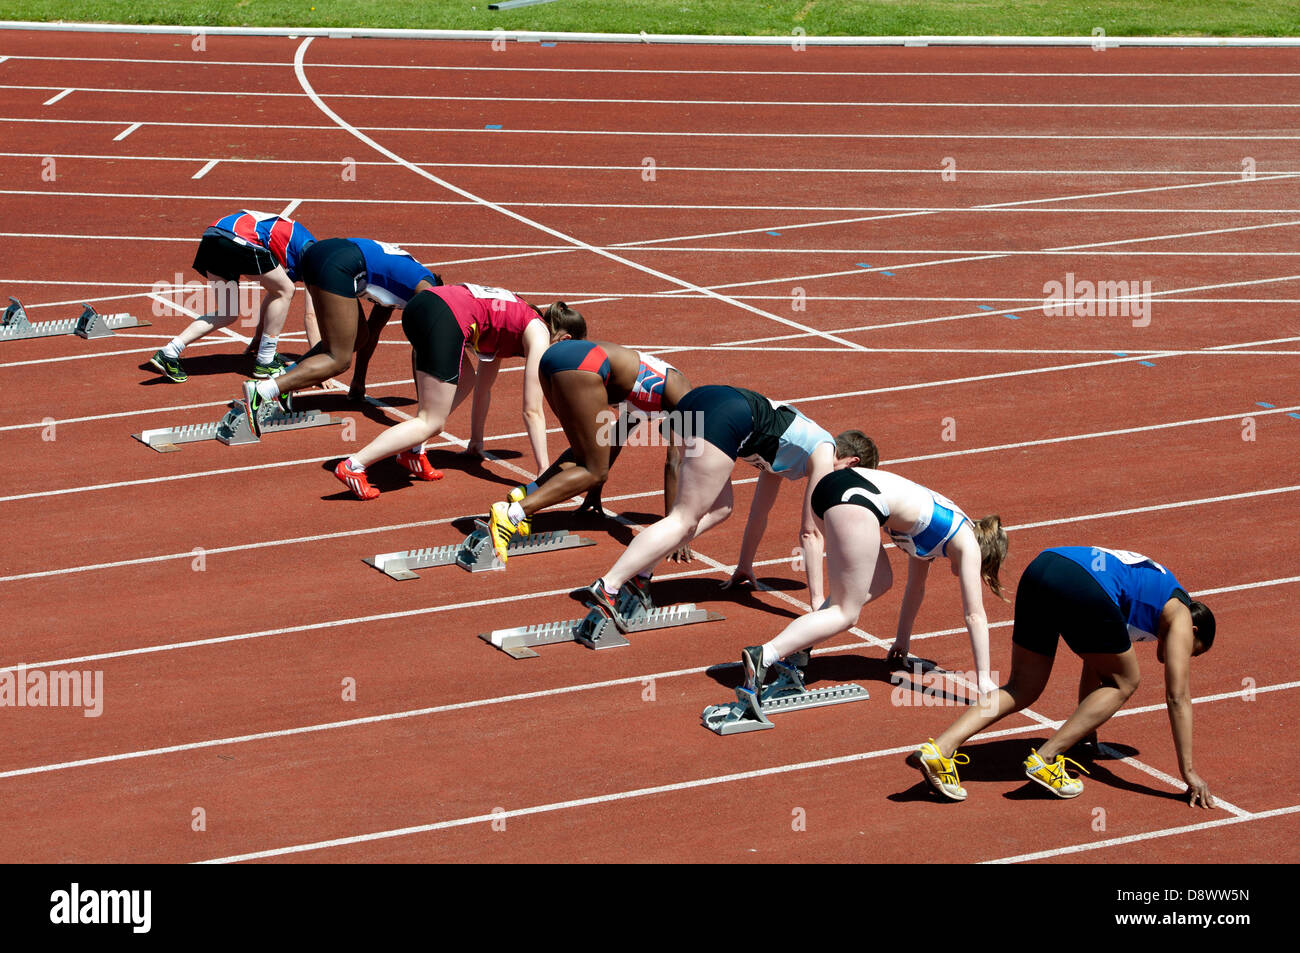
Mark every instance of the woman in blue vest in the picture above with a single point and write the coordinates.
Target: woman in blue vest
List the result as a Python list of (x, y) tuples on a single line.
[(1100, 601)]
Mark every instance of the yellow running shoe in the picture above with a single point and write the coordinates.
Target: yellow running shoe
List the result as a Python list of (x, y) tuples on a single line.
[(1053, 776), (500, 529), (941, 772), (525, 525)]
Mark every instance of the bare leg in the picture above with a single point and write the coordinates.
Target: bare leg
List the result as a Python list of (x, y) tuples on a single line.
[(704, 491), (859, 572), (1117, 677), (436, 398), (1029, 673), (332, 356)]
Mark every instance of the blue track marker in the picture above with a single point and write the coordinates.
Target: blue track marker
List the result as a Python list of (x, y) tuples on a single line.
[(985, 307), (1120, 353), (1296, 416), (775, 234), (1261, 403), (493, 125), (1146, 363), (889, 273), (862, 264), (1014, 317), (548, 44)]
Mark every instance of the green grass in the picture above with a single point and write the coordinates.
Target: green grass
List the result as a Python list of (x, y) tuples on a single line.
[(817, 17)]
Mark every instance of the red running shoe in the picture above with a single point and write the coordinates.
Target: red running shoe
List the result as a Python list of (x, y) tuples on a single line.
[(355, 480), (418, 464)]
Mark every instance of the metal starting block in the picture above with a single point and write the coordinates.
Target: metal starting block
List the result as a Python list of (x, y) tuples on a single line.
[(786, 693), (233, 429), (475, 554), (90, 324), (595, 631)]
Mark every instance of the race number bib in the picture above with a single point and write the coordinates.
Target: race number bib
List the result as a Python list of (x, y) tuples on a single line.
[(390, 249), (491, 294), (1129, 558)]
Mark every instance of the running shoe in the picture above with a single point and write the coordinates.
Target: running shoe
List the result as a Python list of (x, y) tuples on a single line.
[(259, 408), (640, 586), (941, 772), (501, 529), (355, 480), (1053, 776), (169, 367), (277, 366), (799, 659), (595, 597), (525, 525), (418, 463), (751, 659)]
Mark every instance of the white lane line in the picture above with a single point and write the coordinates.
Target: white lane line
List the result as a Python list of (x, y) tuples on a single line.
[(661, 133), (730, 103), (299, 71), (265, 64), (53, 99), (1217, 173), (433, 610), (127, 131), (1137, 838), (211, 164), (291, 208), (647, 792), (678, 206)]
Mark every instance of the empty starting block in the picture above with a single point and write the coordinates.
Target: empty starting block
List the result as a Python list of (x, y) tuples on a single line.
[(475, 554), (595, 631), (90, 324), (786, 693), (233, 429)]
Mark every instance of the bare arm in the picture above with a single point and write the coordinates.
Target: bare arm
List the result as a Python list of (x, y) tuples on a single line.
[(972, 603), (536, 340), (913, 595), (769, 484), (366, 344), (1178, 655)]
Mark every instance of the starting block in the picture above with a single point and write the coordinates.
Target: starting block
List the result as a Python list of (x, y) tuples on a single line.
[(233, 429), (786, 693), (15, 324), (475, 554), (595, 631)]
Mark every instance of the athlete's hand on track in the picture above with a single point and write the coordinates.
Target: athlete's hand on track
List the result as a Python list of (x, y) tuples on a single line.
[(1198, 792), (683, 555), (473, 449), (897, 651), (740, 577), (355, 394)]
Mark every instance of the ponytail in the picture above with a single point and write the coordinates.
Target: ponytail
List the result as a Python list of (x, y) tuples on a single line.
[(993, 550), (559, 317)]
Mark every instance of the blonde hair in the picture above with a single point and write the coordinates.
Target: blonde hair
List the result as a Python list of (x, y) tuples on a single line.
[(993, 551)]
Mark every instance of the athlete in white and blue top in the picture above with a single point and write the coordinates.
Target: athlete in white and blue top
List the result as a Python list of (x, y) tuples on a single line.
[(719, 425), (854, 504), (1100, 601)]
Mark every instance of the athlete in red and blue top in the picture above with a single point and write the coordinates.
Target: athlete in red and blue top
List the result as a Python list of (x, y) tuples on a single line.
[(339, 272), (246, 243), (581, 379), (443, 324)]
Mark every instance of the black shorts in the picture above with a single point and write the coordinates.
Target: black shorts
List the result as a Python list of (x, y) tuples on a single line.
[(435, 336), (335, 265), (719, 414), (221, 257), (1057, 596), (847, 486)]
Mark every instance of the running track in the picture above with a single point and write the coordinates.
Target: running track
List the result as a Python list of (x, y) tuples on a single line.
[(779, 179)]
